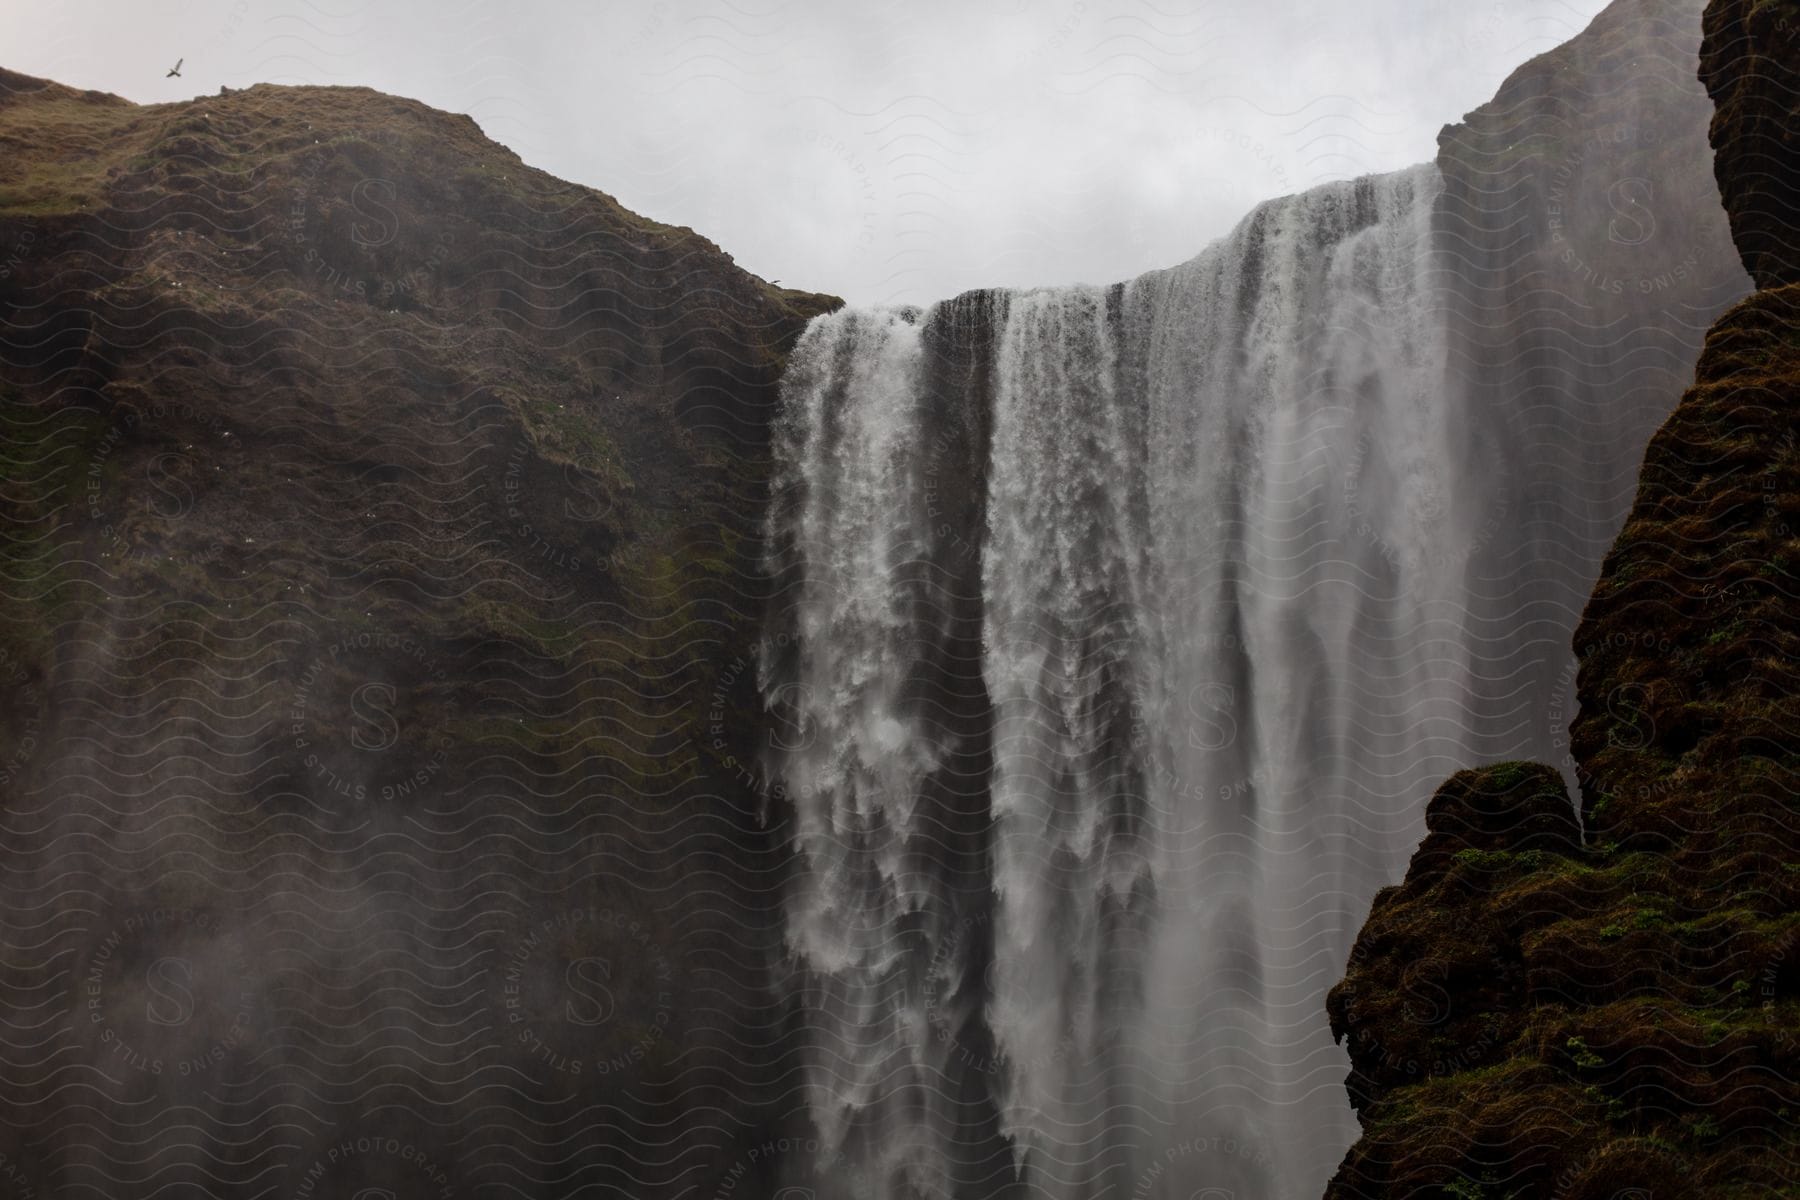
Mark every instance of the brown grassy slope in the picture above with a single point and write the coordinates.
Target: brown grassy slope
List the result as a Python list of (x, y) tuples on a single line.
[(378, 580)]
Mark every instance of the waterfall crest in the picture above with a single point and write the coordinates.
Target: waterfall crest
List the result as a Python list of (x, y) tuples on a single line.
[(1120, 636)]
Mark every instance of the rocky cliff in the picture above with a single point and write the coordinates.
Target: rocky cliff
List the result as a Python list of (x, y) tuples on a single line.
[(1751, 67), (1609, 1008), (1587, 256), (377, 603)]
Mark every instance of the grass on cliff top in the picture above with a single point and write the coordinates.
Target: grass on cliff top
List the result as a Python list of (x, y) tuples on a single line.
[(57, 144), (60, 147)]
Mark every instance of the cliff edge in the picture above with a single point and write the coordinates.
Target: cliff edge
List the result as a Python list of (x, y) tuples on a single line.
[(1612, 1010), (377, 605)]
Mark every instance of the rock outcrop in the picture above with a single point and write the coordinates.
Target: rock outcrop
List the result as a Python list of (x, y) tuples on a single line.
[(377, 605), (1532, 1014), (1751, 68)]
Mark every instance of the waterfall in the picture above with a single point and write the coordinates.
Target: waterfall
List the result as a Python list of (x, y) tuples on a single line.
[(1063, 577), (1307, 656), (1121, 635), (870, 742), (855, 756)]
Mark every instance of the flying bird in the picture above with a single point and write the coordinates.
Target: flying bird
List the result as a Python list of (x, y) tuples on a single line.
[(176, 69)]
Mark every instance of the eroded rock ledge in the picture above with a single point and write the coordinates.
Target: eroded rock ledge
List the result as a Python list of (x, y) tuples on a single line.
[(1538, 1011)]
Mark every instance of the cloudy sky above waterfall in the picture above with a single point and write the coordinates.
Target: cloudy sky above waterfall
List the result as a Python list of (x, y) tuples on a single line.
[(885, 151)]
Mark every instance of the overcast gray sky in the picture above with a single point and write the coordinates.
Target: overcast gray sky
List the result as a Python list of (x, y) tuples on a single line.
[(886, 152)]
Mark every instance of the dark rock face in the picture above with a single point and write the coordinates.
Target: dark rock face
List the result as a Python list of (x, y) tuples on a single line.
[(1751, 67), (1621, 1013), (1488, 810), (1617, 1016), (377, 609)]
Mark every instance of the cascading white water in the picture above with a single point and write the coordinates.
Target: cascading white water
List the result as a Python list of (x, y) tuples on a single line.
[(1222, 596), (1063, 579), (1308, 656), (1217, 520), (853, 757)]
